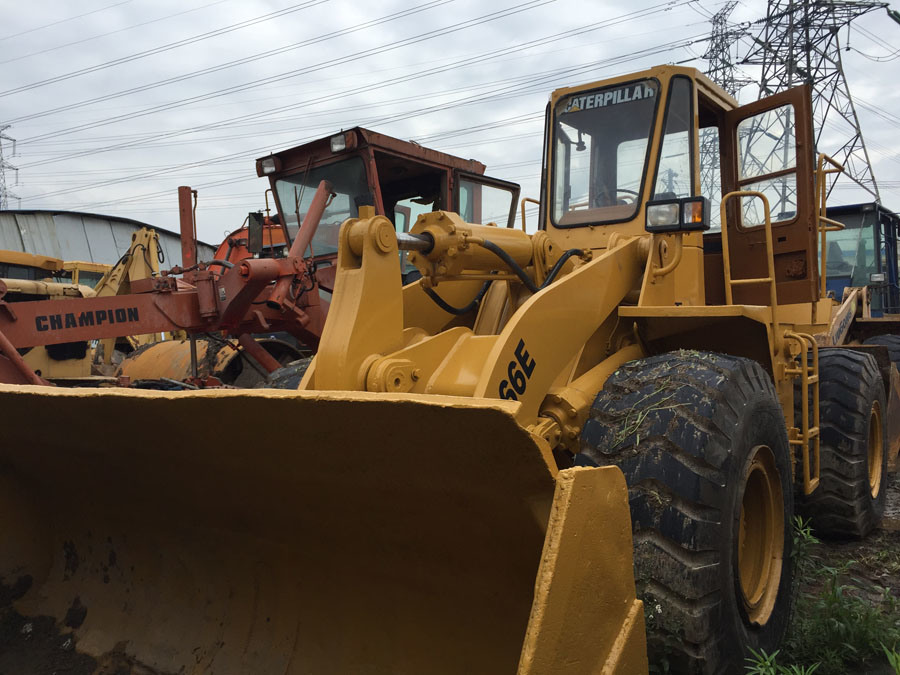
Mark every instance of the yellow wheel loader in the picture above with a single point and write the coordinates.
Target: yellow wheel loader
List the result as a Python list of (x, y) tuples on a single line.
[(554, 453)]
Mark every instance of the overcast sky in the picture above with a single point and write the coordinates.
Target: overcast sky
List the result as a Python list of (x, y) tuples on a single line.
[(115, 103)]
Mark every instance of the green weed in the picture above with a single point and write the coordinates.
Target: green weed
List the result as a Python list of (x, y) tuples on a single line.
[(840, 621), (762, 663), (893, 658), (804, 545)]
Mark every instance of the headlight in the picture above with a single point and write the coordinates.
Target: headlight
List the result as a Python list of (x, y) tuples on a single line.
[(678, 215), (267, 165), (338, 143), (662, 217)]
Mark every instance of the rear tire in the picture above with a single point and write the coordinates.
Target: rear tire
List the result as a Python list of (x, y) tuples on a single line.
[(849, 501), (702, 442), (892, 342)]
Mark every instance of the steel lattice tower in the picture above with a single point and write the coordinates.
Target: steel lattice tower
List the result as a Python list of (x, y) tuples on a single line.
[(5, 166), (722, 71), (799, 43)]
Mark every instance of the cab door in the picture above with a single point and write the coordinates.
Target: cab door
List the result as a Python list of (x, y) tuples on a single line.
[(767, 146), (482, 199)]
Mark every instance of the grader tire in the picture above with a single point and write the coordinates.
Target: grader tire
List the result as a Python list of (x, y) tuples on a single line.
[(287, 377), (849, 501), (702, 442)]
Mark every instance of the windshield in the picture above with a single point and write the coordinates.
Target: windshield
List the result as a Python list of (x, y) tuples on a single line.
[(602, 137), (295, 194), (851, 253)]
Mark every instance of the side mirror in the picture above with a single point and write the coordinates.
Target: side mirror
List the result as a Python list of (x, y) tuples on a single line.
[(255, 233), (689, 214)]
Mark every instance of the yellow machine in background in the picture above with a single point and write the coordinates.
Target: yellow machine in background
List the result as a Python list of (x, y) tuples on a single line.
[(140, 261), (450, 489), (85, 273), (28, 277), (36, 277)]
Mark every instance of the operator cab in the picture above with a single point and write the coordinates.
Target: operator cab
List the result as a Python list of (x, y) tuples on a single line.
[(656, 151)]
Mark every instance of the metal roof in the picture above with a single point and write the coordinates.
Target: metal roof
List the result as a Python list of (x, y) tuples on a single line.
[(90, 237)]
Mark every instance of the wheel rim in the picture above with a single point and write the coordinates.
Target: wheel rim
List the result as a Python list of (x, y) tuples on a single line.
[(761, 536), (876, 449)]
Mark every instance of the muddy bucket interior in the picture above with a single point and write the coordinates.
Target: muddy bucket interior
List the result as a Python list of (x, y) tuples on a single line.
[(265, 532)]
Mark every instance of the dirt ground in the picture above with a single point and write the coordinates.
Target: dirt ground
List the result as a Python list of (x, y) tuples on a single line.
[(878, 555)]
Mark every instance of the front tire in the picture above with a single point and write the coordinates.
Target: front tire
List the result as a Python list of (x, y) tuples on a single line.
[(703, 445)]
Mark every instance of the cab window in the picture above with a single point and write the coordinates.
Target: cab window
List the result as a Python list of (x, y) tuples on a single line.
[(601, 143)]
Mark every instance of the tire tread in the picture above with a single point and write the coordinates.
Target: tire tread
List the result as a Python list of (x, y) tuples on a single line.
[(842, 506), (667, 422)]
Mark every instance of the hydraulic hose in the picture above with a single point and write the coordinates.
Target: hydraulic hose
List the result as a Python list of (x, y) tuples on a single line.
[(223, 263), (558, 266), (458, 311), (517, 270), (512, 264), (523, 276)]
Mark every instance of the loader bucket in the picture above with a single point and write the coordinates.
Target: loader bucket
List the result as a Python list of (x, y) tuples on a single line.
[(265, 532)]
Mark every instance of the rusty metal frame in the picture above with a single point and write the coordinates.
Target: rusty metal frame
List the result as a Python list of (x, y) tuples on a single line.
[(256, 295)]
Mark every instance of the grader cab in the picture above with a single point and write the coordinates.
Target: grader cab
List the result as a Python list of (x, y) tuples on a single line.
[(553, 453), (400, 179)]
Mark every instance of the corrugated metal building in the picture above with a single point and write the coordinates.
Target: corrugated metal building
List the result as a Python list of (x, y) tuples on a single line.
[(88, 237)]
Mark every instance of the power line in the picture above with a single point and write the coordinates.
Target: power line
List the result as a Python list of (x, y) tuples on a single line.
[(285, 93), (112, 32), (392, 81), (165, 48), (394, 117), (149, 137), (152, 137), (56, 23), (243, 87), (405, 115)]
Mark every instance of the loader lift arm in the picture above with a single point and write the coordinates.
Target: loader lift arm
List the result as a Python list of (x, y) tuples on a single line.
[(521, 362)]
